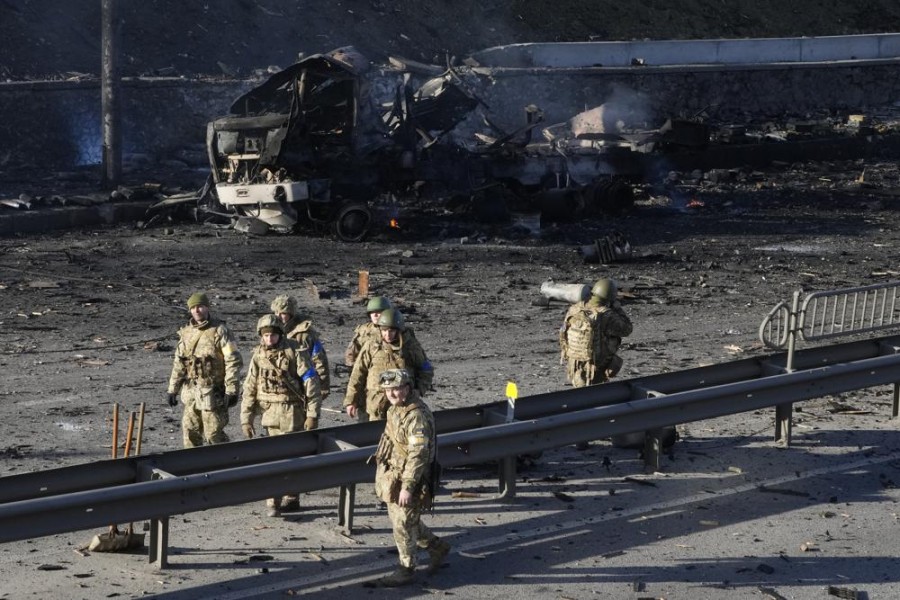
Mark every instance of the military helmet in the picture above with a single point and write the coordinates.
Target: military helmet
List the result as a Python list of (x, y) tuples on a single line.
[(393, 378), (284, 304), (268, 322), (605, 289), (378, 304), (391, 318), (197, 299)]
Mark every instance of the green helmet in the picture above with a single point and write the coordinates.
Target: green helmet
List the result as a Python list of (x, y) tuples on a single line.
[(268, 322), (391, 318), (284, 304), (197, 299), (393, 378), (605, 289), (378, 304)]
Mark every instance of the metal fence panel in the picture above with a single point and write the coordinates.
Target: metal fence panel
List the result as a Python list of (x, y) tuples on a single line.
[(834, 313)]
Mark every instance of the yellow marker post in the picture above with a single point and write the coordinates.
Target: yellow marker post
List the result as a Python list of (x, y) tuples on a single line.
[(512, 392)]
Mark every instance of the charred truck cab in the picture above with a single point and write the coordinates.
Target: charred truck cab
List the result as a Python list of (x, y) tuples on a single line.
[(319, 140), (276, 155)]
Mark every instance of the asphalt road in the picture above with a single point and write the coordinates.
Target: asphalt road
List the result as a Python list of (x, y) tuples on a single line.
[(89, 319)]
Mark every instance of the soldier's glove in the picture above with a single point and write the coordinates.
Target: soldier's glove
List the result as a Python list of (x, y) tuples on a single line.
[(231, 399), (248, 430), (172, 399), (310, 424)]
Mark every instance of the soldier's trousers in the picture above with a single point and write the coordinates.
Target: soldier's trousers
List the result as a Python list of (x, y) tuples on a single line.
[(200, 427), (278, 419), (409, 532)]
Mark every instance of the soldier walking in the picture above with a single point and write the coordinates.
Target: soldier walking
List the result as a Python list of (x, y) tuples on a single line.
[(368, 330), (395, 348), (405, 476), (282, 386), (205, 371), (299, 327)]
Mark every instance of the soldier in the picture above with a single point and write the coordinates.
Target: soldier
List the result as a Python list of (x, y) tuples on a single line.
[(367, 331), (406, 475), (283, 387), (396, 348), (205, 371), (298, 327), (591, 335)]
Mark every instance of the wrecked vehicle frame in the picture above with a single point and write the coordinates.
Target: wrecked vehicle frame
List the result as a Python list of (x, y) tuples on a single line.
[(320, 139)]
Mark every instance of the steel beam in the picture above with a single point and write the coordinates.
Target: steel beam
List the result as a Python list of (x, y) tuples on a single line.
[(109, 473), (230, 485)]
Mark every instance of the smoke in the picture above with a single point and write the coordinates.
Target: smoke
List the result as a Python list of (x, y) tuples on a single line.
[(626, 109), (85, 134)]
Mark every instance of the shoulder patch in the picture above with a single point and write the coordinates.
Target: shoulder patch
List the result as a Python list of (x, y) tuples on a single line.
[(417, 439), (229, 349)]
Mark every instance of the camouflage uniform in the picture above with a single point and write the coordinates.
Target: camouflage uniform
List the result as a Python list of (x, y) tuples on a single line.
[(300, 329), (589, 339), (206, 368), (404, 462), (281, 385), (377, 356), (367, 332), (275, 381)]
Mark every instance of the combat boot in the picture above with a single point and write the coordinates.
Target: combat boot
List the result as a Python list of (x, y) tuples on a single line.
[(402, 576), (290, 503), (273, 508), (438, 551)]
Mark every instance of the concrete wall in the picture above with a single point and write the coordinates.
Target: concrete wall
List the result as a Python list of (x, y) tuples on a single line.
[(652, 94), (56, 125), (693, 52)]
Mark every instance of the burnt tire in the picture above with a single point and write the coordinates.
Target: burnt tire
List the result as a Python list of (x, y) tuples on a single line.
[(352, 221)]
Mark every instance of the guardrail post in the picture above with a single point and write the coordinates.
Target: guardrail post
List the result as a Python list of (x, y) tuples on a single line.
[(895, 411), (652, 437), (507, 484), (346, 502), (652, 449), (506, 475), (158, 548), (346, 493), (784, 412), (159, 542)]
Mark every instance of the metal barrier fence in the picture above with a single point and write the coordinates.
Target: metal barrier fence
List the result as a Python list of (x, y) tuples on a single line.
[(156, 487), (827, 315), (833, 313)]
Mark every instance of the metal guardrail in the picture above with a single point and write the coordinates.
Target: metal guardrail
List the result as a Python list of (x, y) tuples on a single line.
[(139, 488)]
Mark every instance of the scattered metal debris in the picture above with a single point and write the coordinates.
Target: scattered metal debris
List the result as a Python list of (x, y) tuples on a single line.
[(608, 249)]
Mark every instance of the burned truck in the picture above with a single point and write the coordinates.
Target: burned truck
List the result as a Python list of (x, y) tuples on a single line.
[(319, 140)]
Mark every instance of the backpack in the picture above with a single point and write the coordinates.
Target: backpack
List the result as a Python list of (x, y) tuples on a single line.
[(579, 333)]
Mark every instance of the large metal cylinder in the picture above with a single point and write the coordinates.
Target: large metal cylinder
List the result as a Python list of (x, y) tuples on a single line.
[(565, 292)]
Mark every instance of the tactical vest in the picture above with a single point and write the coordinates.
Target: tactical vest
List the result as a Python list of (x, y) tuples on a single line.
[(204, 366), (274, 367)]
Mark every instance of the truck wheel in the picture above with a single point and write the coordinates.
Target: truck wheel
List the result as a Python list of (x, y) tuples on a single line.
[(352, 222)]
